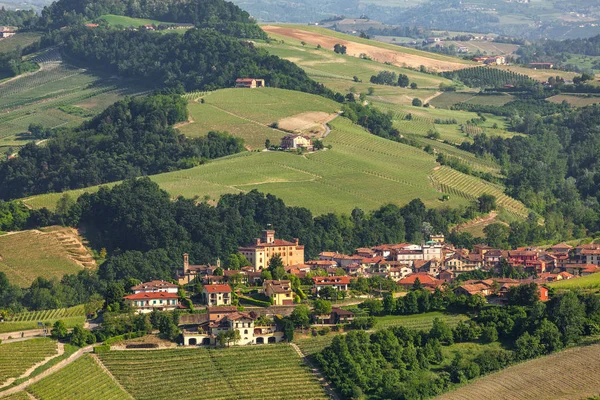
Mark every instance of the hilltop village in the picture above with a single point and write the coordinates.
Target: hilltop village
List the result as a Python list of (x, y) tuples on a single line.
[(387, 269)]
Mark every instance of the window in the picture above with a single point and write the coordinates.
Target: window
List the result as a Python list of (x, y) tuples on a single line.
[(245, 331), (153, 301)]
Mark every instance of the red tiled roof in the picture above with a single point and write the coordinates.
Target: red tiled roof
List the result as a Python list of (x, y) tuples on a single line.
[(424, 278), (217, 288), (331, 280), (152, 295), (221, 309)]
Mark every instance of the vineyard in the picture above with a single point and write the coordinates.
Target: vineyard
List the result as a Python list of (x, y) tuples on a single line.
[(488, 77), (589, 282), (258, 372), (29, 320), (81, 380), (419, 321), (571, 374), (17, 357), (456, 183)]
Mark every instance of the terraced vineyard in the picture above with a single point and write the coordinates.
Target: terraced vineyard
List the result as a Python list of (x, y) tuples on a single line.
[(456, 183), (17, 396), (314, 344), (419, 321), (46, 315), (17, 357), (258, 372), (81, 380)]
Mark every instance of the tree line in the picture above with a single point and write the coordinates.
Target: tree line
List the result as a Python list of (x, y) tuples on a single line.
[(132, 137)]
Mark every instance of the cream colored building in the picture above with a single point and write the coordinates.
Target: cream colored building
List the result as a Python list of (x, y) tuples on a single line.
[(263, 249), (296, 142), (279, 291)]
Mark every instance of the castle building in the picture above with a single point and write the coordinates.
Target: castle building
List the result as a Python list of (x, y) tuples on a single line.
[(263, 249)]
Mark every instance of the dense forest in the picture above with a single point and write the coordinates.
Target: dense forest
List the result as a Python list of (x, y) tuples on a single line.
[(132, 137), (554, 169), (199, 59), (23, 19), (219, 15)]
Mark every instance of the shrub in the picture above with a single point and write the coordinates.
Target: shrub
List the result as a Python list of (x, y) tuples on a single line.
[(417, 102)]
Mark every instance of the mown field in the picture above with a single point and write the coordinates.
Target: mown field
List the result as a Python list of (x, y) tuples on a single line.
[(81, 380), (29, 320), (572, 374), (258, 372), (577, 101), (18, 357), (248, 113), (28, 254)]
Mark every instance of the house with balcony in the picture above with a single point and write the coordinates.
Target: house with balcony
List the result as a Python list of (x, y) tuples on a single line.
[(145, 302), (217, 295)]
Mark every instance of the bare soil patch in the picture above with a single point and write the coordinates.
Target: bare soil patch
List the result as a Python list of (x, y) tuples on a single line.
[(378, 54), (311, 123)]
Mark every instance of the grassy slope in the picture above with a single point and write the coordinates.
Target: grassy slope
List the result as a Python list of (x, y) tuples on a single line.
[(128, 21), (81, 380), (585, 282), (246, 372), (360, 170), (19, 40), (570, 375), (28, 254)]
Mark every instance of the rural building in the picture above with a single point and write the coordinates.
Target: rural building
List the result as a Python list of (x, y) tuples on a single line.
[(217, 295), (473, 289), (426, 280), (280, 292), (336, 282), (291, 142), (223, 319), (249, 83), (159, 295), (338, 316), (7, 31), (263, 249), (191, 272), (155, 286)]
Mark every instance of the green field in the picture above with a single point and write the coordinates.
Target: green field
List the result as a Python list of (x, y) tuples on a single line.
[(588, 282), (19, 40), (29, 320), (257, 372), (448, 99), (17, 396), (81, 380), (575, 100), (18, 357), (128, 21), (26, 255), (419, 321), (248, 113)]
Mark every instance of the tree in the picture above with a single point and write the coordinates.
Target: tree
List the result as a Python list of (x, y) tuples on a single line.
[(328, 292), (413, 85), (218, 271), (221, 338), (489, 334), (402, 80), (441, 331), (339, 48), (301, 317), (486, 203), (568, 314), (417, 285), (59, 331), (322, 307), (496, 235), (528, 346), (523, 295), (276, 267), (417, 102), (370, 91), (267, 143)]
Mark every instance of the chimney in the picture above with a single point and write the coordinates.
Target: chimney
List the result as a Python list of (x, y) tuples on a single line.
[(257, 241), (297, 241), (186, 263)]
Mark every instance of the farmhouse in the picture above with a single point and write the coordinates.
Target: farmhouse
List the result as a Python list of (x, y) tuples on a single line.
[(7, 31), (280, 292), (154, 287), (336, 282), (249, 83), (260, 253), (222, 320), (216, 295), (291, 142)]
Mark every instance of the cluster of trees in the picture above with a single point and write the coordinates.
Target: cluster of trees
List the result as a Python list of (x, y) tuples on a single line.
[(406, 364), (375, 121), (23, 19), (340, 48), (390, 78), (11, 64), (558, 50), (130, 138), (517, 110), (553, 169), (200, 59), (484, 77), (222, 16)]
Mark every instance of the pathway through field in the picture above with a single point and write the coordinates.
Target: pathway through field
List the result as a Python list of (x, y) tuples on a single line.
[(330, 391)]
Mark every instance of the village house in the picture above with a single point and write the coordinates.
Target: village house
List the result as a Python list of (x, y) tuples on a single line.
[(398, 273), (293, 142), (263, 249), (461, 262), (588, 253), (249, 83), (323, 264), (205, 330), (426, 280), (191, 272), (7, 31), (338, 316), (159, 295), (280, 292), (431, 267), (505, 288), (473, 289), (217, 295), (337, 282)]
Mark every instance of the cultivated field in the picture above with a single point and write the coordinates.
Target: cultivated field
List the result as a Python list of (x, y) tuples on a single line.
[(589, 282), (18, 357), (29, 320), (419, 321), (258, 372), (81, 380), (17, 396), (381, 52), (577, 101), (448, 99), (541, 75), (53, 253), (572, 374)]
